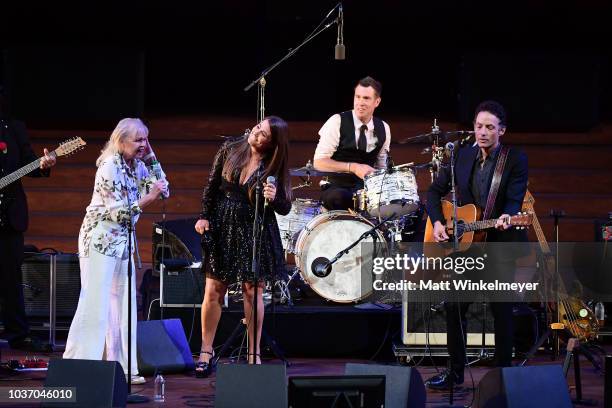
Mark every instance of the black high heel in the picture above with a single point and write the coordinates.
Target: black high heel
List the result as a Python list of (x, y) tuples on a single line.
[(256, 355), (204, 368)]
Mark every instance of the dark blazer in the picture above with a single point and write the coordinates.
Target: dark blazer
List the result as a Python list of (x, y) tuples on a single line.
[(509, 198), (19, 153)]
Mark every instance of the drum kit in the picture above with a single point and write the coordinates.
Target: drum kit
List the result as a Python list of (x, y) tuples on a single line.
[(311, 233)]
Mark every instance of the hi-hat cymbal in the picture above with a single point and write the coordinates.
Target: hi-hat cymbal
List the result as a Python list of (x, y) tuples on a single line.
[(309, 171), (442, 136)]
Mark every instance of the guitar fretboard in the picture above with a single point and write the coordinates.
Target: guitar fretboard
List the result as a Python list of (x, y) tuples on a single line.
[(479, 225), (16, 175)]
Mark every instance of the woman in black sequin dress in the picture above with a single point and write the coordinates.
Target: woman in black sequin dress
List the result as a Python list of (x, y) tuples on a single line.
[(226, 225)]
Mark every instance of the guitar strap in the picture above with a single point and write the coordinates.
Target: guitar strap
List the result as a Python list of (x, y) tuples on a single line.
[(499, 169)]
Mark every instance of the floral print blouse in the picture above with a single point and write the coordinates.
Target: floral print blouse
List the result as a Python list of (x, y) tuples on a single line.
[(117, 189)]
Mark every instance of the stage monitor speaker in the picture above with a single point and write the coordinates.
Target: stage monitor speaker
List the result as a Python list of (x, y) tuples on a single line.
[(522, 387), (403, 385), (251, 386), (97, 384), (337, 391), (162, 346), (177, 240), (424, 322), (36, 272)]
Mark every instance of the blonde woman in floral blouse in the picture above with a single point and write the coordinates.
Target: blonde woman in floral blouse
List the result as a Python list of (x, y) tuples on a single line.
[(123, 187)]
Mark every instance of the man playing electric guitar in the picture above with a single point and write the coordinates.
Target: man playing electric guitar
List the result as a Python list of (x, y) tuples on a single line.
[(15, 152), (485, 166)]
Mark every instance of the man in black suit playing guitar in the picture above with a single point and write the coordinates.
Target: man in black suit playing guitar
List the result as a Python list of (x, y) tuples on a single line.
[(474, 170), (15, 152)]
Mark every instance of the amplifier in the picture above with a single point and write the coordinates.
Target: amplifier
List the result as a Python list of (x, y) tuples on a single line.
[(37, 271), (424, 322), (182, 288), (175, 241)]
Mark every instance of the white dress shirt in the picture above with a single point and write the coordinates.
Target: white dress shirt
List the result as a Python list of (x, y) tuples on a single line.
[(329, 139)]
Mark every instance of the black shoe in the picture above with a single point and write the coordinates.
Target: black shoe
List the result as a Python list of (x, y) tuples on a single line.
[(204, 368), (442, 381)]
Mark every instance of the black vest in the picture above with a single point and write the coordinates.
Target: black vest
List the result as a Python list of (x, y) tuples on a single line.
[(347, 149)]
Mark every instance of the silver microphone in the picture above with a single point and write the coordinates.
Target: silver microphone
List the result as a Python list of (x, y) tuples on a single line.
[(269, 180), (450, 146), (340, 51), (156, 168)]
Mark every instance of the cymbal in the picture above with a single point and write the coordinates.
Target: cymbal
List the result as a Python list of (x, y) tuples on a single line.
[(442, 136), (309, 171)]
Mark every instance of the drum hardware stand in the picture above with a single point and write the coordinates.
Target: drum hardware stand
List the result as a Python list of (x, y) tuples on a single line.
[(261, 81), (574, 350), (437, 153), (322, 267), (285, 293)]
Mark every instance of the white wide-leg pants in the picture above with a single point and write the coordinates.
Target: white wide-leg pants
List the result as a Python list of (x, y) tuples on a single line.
[(99, 328)]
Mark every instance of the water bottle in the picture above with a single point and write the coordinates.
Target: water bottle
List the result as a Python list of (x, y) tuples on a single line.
[(600, 311), (159, 394)]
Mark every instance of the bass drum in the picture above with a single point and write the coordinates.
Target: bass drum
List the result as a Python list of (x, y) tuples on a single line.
[(350, 279)]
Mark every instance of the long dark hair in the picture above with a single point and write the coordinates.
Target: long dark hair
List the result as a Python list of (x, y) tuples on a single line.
[(275, 158)]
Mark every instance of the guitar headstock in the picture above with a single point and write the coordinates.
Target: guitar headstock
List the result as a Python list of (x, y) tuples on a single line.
[(528, 201), (70, 146), (521, 220)]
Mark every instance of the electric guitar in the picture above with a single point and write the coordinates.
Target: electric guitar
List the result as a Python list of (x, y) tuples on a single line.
[(64, 149), (469, 226)]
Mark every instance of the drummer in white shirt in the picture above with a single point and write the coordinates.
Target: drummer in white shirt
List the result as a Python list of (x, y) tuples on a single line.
[(352, 143)]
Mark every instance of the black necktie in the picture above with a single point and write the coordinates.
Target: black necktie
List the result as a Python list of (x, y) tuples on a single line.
[(362, 144)]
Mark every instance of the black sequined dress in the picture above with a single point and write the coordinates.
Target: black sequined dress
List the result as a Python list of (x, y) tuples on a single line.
[(228, 244)]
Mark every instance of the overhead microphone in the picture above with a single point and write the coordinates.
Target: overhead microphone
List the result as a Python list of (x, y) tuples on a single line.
[(340, 51), (270, 180)]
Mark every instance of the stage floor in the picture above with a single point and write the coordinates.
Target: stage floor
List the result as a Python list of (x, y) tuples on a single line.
[(184, 390)]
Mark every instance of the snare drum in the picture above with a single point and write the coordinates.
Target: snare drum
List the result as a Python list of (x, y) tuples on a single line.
[(325, 236), (290, 225), (389, 192)]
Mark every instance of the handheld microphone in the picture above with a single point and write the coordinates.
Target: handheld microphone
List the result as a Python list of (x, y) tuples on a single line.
[(269, 180), (340, 51), (450, 146), (156, 168)]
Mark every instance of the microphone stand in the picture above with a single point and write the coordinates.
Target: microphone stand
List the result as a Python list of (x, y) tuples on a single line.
[(323, 268), (455, 248), (255, 264), (261, 80), (131, 398), (556, 346)]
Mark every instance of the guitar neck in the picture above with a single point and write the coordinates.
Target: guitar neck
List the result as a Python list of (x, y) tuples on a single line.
[(540, 235), (17, 174), (479, 225)]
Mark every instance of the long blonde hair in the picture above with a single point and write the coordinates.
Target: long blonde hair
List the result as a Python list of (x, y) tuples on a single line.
[(126, 127)]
